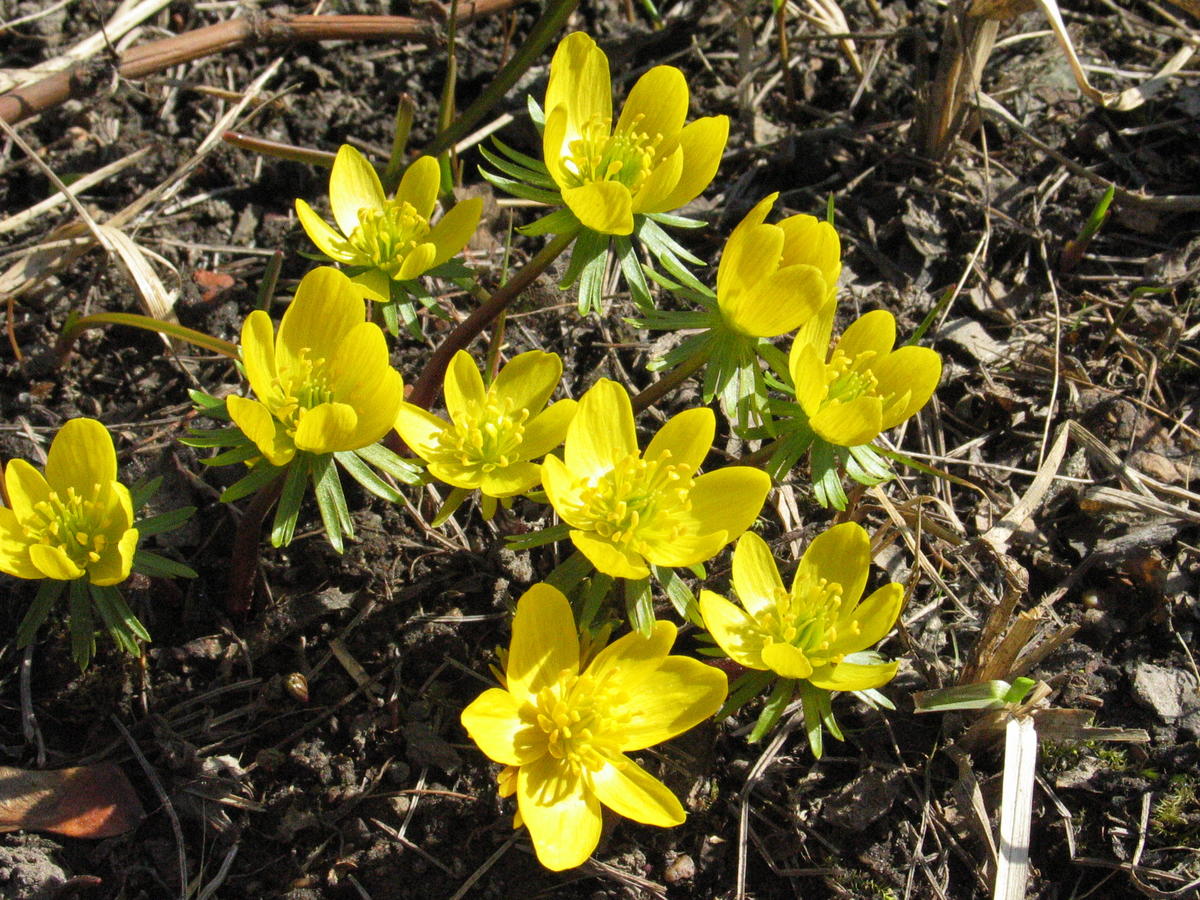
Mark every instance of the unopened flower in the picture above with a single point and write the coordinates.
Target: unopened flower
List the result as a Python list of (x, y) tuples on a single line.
[(813, 631), (562, 725), (649, 163), (774, 278), (494, 432), (865, 387), (390, 238), (629, 510), (324, 383), (74, 521)]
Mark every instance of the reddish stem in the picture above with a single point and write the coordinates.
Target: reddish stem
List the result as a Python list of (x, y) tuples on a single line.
[(243, 563)]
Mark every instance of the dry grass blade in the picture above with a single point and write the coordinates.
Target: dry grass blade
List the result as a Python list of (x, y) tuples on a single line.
[(156, 301), (828, 16), (1016, 808)]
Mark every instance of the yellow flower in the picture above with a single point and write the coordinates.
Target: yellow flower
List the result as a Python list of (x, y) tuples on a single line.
[(628, 510), (866, 387), (391, 237), (808, 632), (564, 732), (650, 163), (75, 520), (324, 383), (774, 278), (494, 432)]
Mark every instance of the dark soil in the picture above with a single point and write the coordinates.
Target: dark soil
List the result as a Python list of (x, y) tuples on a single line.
[(373, 789)]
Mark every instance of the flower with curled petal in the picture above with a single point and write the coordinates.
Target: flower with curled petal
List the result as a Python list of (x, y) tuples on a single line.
[(865, 387), (324, 383), (812, 631), (495, 431), (73, 522), (629, 510), (649, 163), (388, 238), (563, 726)]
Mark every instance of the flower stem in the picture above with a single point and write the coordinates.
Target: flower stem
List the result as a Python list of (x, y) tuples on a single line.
[(76, 325), (669, 382), (428, 384), (243, 562), (761, 455)]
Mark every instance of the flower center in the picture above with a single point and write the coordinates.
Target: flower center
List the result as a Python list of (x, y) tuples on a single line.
[(73, 524), (807, 617), (387, 236), (487, 438), (640, 501), (576, 716), (850, 378), (595, 155), (302, 386)]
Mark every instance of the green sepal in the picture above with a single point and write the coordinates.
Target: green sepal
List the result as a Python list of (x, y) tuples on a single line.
[(252, 482), (331, 502), (361, 472), (679, 594), (595, 591), (747, 686), (867, 467), (47, 595), (287, 511), (146, 562), (386, 461), (519, 189), (675, 221), (781, 695), (519, 167), (825, 461), (639, 606), (669, 254), (814, 702), (631, 268)]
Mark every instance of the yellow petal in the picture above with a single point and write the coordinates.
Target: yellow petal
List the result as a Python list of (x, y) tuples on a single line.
[(619, 562), (909, 376), (419, 429), (82, 457), (545, 641), (14, 547), (258, 353), (556, 145), (53, 562), (419, 261), (116, 562), (703, 142), (786, 660), (579, 82), (784, 300), (324, 310), (26, 489), (529, 379), (730, 271), (755, 576), (374, 285), (849, 424), (817, 331), (327, 240), (729, 499), (361, 376), (514, 479), (548, 429), (353, 185), (734, 631), (874, 618), (874, 332), (812, 242), (839, 555), (605, 207), (630, 791), (681, 694), (628, 661), (659, 183), (463, 388), (494, 722), (807, 367), (328, 428), (562, 490), (602, 432), (846, 676), (267, 433), (657, 105), (456, 474), (687, 437), (683, 549), (562, 815), (455, 228), (419, 186), (751, 254)]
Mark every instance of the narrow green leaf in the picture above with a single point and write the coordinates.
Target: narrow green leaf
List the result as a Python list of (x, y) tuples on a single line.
[(639, 607), (146, 562), (47, 595), (362, 473), (331, 502), (163, 522), (252, 482), (781, 695), (287, 512)]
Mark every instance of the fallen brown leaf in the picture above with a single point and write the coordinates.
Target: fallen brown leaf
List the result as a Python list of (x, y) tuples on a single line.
[(84, 802)]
